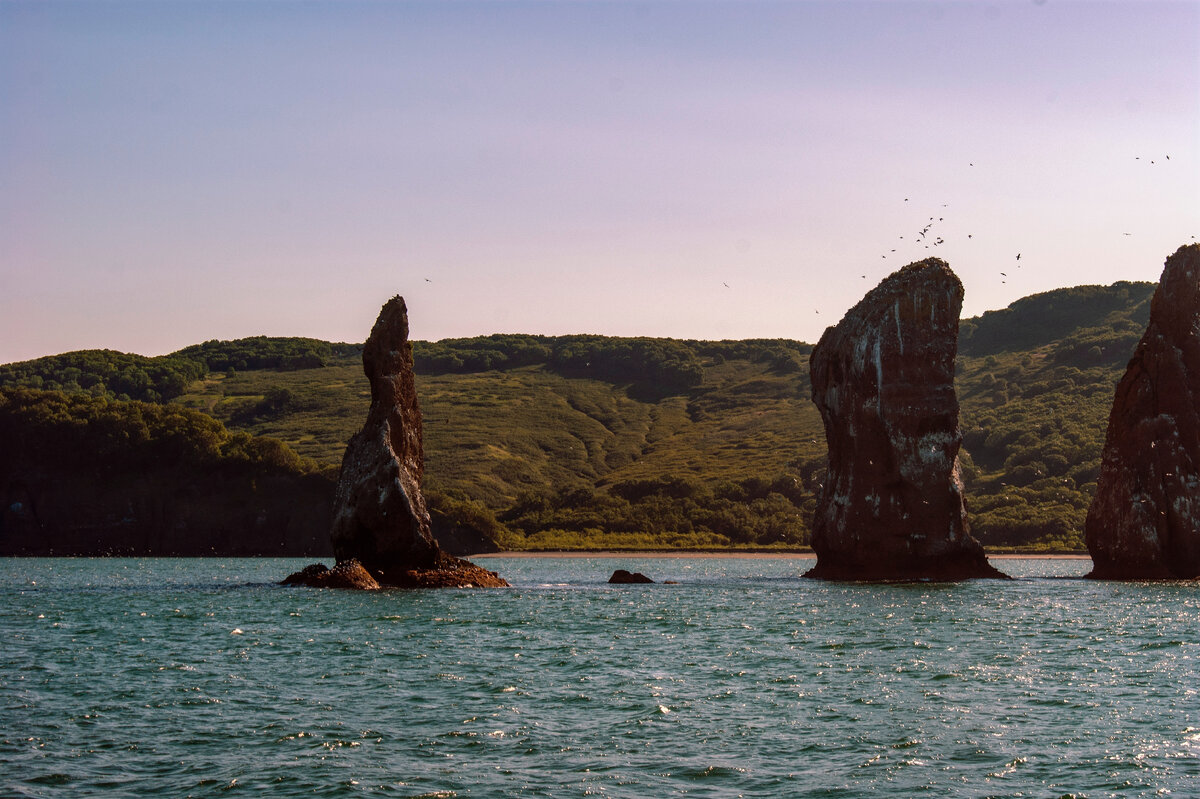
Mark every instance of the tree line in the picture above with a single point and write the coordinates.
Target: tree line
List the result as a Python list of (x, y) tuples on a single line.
[(1034, 390)]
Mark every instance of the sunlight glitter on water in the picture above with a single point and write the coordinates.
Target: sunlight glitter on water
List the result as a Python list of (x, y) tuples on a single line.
[(743, 679)]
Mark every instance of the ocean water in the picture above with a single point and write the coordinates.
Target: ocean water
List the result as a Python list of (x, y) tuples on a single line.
[(201, 677)]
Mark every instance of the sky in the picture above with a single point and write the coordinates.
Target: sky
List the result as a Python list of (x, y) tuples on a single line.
[(173, 172)]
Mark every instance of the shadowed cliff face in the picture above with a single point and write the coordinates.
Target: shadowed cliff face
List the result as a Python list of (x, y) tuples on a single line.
[(891, 506), (82, 475), (379, 510), (175, 510), (1144, 522)]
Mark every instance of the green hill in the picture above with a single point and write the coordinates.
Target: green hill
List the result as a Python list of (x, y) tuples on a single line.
[(106, 373), (1042, 319), (591, 441)]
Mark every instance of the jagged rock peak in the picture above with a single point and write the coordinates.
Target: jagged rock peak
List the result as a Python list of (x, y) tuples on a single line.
[(387, 359), (891, 506), (1144, 522)]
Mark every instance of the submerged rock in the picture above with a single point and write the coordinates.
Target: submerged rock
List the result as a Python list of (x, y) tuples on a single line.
[(379, 513), (1144, 522), (623, 576), (891, 506)]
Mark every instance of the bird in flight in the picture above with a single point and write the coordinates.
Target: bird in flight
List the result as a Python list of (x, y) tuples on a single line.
[(723, 283), (1018, 256)]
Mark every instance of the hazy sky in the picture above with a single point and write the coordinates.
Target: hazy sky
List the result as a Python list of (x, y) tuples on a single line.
[(172, 172)]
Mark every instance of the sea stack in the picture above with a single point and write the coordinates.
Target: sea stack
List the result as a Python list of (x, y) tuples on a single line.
[(379, 514), (1144, 523), (891, 506)]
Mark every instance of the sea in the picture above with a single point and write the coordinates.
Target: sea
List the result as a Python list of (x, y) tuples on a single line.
[(203, 677)]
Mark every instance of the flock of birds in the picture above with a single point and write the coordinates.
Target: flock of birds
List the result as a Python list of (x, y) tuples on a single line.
[(927, 239), (922, 234)]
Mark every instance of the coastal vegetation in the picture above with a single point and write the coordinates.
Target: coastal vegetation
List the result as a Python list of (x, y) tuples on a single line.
[(83, 474), (48, 429), (261, 352), (590, 442)]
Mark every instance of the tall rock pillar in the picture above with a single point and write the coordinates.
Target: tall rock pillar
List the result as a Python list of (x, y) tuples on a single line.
[(379, 510), (1144, 522), (380, 529), (891, 506)]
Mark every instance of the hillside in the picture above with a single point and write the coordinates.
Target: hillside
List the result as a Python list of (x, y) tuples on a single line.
[(82, 475), (588, 441)]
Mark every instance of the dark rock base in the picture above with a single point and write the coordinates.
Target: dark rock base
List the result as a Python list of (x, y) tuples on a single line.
[(347, 574), (950, 568), (449, 572)]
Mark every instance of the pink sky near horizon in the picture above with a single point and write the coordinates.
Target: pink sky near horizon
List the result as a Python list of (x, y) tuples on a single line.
[(178, 172)]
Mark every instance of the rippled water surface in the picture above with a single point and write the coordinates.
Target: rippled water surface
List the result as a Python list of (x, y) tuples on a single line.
[(201, 677)]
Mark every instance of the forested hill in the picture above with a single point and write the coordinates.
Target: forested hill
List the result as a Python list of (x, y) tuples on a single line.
[(593, 441), (1042, 319)]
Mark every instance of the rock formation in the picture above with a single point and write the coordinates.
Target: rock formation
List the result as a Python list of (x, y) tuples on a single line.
[(347, 574), (624, 576), (891, 506), (379, 514), (1144, 522)]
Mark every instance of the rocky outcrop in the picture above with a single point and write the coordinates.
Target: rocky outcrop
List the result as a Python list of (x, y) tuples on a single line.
[(1144, 522), (379, 514), (451, 573), (623, 576), (347, 574), (891, 506)]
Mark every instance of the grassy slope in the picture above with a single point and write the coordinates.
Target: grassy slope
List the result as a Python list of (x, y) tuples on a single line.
[(1034, 408), (497, 434), (328, 408)]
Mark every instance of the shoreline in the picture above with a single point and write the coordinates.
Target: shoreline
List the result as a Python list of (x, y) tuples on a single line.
[(682, 553)]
